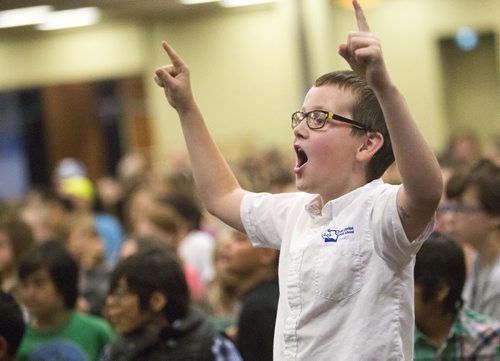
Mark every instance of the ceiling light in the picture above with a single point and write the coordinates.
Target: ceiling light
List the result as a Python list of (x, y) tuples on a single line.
[(193, 2), (237, 3), (24, 16), (466, 38), (71, 18)]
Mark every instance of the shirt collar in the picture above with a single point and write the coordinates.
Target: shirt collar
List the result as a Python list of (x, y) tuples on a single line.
[(333, 207)]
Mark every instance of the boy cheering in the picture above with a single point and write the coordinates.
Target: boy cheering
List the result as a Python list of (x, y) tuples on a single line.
[(347, 241)]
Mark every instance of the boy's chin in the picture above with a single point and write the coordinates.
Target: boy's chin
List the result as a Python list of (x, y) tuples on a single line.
[(302, 185)]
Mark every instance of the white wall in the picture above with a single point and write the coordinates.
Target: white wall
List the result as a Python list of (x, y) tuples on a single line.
[(245, 65)]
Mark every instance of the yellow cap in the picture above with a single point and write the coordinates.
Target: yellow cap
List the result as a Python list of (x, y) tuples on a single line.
[(80, 187)]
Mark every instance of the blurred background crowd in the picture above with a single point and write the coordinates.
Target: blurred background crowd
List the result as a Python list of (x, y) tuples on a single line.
[(101, 222)]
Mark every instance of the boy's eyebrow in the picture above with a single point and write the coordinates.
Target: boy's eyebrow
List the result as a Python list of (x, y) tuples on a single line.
[(316, 108)]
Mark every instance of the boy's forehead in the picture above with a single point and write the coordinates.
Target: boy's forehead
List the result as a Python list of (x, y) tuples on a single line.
[(330, 98), (122, 281), (40, 273)]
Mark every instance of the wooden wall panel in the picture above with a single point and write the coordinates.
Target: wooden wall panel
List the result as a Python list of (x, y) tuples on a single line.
[(72, 126)]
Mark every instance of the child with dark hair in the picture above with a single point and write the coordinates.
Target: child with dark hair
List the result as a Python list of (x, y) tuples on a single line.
[(11, 326), (474, 203), (447, 330), (49, 291), (149, 306)]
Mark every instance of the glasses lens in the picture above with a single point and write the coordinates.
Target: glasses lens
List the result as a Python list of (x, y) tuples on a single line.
[(316, 120), (467, 209)]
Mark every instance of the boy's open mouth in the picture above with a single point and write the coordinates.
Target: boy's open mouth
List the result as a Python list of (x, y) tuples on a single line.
[(301, 157)]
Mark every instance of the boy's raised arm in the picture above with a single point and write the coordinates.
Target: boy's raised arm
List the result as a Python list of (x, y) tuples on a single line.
[(420, 173), (216, 183)]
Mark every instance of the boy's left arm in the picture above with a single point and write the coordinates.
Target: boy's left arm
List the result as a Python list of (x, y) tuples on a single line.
[(420, 172)]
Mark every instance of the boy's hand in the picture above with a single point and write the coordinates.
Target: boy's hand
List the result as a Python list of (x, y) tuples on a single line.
[(174, 79), (363, 51)]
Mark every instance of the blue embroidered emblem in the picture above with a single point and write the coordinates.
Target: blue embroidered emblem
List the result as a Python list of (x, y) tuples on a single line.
[(332, 235)]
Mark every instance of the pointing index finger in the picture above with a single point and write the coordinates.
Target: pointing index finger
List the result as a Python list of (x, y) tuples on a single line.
[(174, 58), (360, 17)]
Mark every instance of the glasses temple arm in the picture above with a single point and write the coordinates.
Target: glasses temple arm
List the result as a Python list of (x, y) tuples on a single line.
[(350, 121)]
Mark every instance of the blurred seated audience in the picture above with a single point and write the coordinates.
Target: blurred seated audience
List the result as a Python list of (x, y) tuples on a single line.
[(11, 326), (136, 204), (46, 213), (16, 238), (49, 291), (195, 245), (149, 306), (148, 242), (222, 300), (256, 270), (445, 328), (81, 193), (464, 146), (87, 247), (474, 201)]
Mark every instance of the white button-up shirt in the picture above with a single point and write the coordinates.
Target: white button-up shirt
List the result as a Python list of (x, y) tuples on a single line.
[(345, 273)]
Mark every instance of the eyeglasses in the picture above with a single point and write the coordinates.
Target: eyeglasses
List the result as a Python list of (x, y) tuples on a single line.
[(317, 119), (119, 293), (460, 208)]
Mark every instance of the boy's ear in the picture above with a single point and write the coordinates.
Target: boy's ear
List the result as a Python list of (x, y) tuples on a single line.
[(157, 301), (442, 292), (372, 142)]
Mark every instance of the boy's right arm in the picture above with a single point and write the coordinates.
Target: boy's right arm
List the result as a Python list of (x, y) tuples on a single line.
[(217, 186)]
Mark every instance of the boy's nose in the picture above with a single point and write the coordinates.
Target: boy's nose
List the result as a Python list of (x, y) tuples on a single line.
[(301, 129)]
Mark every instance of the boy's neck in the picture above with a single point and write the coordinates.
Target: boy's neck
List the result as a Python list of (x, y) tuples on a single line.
[(51, 321), (436, 327), (262, 275), (354, 183), (157, 322)]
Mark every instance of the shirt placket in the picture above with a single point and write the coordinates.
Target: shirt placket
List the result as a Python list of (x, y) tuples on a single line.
[(293, 288)]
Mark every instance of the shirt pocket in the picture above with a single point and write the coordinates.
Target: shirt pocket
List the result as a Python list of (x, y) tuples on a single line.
[(337, 270)]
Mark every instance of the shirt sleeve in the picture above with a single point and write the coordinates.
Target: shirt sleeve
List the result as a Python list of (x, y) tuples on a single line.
[(265, 216), (391, 242)]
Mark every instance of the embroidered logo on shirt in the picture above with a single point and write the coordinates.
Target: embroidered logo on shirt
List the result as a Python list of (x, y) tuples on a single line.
[(332, 235)]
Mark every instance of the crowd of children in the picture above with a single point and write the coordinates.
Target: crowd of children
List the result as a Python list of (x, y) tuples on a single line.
[(136, 268)]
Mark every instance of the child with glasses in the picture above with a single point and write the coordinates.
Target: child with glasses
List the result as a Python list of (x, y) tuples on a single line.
[(347, 241), (149, 306), (474, 206)]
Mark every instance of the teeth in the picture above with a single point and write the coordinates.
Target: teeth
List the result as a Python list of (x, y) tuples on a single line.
[(301, 156)]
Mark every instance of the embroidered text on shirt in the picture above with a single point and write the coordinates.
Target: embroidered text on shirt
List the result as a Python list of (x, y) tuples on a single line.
[(332, 235)]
